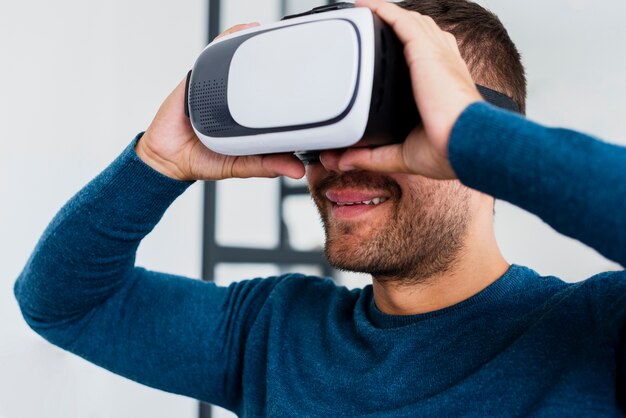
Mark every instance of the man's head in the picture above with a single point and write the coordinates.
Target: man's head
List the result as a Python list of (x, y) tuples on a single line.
[(407, 228)]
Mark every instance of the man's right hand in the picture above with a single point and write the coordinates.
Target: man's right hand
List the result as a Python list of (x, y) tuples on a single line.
[(171, 147)]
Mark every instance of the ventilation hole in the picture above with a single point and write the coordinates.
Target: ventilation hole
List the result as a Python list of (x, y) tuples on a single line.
[(208, 101)]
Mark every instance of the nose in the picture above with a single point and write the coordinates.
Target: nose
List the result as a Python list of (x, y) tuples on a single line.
[(330, 160)]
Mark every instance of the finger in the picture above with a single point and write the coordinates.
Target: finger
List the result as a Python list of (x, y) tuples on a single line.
[(451, 41), (284, 165), (237, 28), (330, 159), (411, 27), (385, 159), (407, 25), (271, 165)]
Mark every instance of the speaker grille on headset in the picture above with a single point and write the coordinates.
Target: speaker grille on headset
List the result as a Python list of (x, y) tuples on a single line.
[(209, 104)]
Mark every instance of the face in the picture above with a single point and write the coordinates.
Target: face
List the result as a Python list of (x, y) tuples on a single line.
[(396, 227)]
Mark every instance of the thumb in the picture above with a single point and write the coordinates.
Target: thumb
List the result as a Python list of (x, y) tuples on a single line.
[(384, 159), (416, 155), (267, 165)]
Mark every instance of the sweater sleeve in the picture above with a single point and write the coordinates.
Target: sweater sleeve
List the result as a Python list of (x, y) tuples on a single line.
[(574, 182), (81, 291)]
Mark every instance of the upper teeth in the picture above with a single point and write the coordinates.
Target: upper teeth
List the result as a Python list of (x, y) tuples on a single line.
[(374, 201)]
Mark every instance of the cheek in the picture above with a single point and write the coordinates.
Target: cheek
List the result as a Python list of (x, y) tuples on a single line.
[(406, 184)]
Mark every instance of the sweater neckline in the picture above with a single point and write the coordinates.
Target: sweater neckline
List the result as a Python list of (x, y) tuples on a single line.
[(508, 282)]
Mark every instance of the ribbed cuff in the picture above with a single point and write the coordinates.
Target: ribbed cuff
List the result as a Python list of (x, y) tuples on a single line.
[(488, 147)]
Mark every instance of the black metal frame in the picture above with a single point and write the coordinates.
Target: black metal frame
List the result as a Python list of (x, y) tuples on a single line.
[(283, 255)]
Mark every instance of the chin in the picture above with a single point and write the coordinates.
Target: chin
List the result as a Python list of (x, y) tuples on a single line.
[(352, 248)]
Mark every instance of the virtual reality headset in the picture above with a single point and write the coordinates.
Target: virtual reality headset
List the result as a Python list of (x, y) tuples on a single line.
[(333, 77)]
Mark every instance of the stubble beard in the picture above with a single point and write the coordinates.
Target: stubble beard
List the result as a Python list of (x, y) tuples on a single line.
[(422, 237)]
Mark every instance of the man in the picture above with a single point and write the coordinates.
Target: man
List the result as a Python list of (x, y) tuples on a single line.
[(448, 328)]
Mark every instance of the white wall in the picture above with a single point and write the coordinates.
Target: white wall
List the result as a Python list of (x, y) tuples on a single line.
[(78, 80), (575, 60)]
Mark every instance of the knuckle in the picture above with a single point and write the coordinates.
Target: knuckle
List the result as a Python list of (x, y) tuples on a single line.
[(235, 27), (411, 54), (264, 164), (228, 169)]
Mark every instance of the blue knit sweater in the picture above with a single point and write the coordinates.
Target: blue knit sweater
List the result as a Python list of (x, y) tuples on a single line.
[(302, 346)]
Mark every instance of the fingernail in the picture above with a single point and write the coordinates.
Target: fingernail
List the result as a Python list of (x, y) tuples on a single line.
[(346, 167)]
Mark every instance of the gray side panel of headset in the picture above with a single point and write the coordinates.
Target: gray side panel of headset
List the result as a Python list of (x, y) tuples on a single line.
[(207, 90)]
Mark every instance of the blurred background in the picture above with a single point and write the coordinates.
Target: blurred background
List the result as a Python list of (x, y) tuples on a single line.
[(79, 80)]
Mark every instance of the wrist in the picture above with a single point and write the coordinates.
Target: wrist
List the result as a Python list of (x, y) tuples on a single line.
[(151, 158)]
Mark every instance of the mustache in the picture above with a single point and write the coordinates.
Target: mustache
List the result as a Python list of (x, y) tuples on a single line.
[(360, 179)]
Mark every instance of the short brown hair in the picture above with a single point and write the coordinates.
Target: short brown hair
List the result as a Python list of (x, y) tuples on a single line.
[(485, 45)]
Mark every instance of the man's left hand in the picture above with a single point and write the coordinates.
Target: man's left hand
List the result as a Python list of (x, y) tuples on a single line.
[(442, 87)]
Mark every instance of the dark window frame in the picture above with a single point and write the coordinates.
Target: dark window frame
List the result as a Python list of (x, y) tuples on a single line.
[(283, 255)]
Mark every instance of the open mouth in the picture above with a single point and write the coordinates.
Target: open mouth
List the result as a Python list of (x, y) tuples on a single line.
[(350, 203), (375, 201)]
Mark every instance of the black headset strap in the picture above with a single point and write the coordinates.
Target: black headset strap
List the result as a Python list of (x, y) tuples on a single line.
[(497, 99)]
